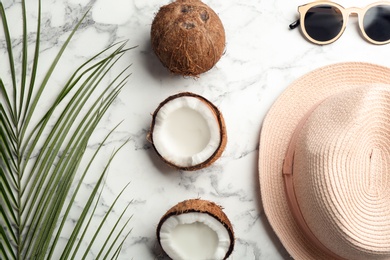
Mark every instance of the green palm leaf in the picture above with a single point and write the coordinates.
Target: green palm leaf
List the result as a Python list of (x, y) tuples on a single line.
[(43, 164)]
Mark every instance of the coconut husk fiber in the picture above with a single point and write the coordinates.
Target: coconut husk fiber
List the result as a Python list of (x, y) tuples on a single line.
[(188, 37)]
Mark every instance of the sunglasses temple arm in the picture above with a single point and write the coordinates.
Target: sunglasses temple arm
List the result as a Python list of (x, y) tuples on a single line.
[(294, 24)]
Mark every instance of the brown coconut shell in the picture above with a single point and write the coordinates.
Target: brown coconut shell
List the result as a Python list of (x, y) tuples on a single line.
[(200, 206), (188, 37), (222, 127)]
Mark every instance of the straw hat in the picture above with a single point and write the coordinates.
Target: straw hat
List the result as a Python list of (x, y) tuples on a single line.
[(324, 164)]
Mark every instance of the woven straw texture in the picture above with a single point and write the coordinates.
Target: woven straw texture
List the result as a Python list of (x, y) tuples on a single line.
[(346, 208)]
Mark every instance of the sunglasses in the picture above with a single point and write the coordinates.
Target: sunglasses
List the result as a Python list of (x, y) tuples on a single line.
[(323, 22)]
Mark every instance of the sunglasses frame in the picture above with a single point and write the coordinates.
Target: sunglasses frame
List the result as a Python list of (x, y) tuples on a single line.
[(346, 12)]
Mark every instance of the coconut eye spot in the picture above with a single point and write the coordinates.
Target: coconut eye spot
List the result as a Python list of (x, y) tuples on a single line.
[(186, 9), (186, 131), (204, 16), (188, 25)]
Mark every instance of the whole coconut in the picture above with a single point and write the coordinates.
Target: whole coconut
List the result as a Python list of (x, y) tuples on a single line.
[(188, 37)]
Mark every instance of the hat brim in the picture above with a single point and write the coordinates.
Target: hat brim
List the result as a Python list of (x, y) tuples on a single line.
[(278, 127)]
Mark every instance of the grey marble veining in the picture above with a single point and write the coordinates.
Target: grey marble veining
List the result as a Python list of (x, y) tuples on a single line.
[(262, 58)]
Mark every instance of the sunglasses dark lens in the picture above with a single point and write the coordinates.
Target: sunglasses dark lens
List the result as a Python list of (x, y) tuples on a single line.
[(376, 23), (323, 22)]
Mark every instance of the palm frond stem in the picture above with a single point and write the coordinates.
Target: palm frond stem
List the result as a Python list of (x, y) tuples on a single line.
[(46, 78), (39, 161), (91, 123)]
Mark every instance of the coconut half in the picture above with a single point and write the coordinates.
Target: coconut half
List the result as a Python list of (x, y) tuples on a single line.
[(196, 230), (188, 132)]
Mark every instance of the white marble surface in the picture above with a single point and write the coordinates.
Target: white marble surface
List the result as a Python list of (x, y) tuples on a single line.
[(262, 58)]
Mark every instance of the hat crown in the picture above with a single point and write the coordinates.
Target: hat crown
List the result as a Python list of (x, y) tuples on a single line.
[(342, 172)]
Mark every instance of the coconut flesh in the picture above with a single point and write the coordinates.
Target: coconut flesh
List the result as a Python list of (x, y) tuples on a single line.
[(188, 132), (188, 37), (196, 230)]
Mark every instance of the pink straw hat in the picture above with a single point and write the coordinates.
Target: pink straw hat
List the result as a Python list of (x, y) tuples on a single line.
[(324, 164)]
